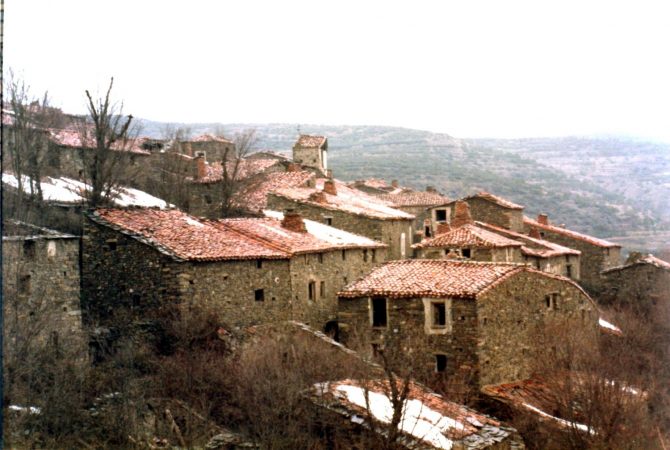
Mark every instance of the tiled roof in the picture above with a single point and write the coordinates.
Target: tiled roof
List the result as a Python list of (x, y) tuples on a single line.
[(307, 141), (431, 278), (253, 197), (210, 138), (246, 169), (569, 233), (69, 137), (414, 198), (428, 418), (184, 237), (347, 200), (270, 231), (532, 246), (648, 259), (468, 236), (492, 198)]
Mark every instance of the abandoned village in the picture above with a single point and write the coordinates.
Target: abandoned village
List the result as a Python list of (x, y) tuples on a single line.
[(440, 299)]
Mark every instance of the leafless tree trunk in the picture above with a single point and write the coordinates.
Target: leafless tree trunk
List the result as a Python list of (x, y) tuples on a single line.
[(231, 169)]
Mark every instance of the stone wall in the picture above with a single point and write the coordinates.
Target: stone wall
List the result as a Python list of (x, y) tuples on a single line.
[(644, 287), (41, 292), (335, 269), (386, 231), (566, 265), (311, 157), (489, 212), (509, 314)]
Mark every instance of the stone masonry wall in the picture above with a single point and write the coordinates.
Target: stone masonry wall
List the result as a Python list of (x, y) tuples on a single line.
[(335, 269), (642, 286), (41, 292), (508, 315), (488, 212)]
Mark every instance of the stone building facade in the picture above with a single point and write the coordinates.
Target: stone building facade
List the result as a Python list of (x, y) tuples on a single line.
[(643, 283), (596, 254), (484, 207), (41, 290), (311, 151), (139, 262), (473, 321), (332, 202), (418, 204)]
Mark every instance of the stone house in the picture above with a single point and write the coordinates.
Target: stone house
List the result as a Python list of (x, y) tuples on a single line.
[(246, 271), (484, 207), (429, 421), (596, 254), (418, 204), (312, 151), (213, 148), (40, 269), (472, 321), (643, 282), (332, 202)]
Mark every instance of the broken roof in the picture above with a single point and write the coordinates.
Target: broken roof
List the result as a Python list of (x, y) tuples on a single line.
[(253, 196), (427, 417), (307, 141), (468, 236), (246, 168), (414, 198), (346, 199), (645, 260), (569, 233), (532, 246)]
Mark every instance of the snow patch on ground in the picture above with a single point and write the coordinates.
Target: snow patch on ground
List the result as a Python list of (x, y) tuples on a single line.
[(605, 324), (563, 422)]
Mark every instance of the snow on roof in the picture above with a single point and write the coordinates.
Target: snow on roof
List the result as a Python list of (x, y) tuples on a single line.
[(399, 197), (68, 190)]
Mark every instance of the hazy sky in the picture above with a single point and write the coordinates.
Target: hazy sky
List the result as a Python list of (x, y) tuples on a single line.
[(468, 68)]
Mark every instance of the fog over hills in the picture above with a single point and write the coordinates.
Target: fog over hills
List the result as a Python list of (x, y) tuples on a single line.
[(613, 187)]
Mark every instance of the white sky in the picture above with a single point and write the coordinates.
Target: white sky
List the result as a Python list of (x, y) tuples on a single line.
[(468, 68)]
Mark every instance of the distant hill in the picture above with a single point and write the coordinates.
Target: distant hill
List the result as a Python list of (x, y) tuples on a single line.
[(609, 187)]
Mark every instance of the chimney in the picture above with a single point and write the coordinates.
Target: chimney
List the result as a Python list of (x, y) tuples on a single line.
[(543, 219), (293, 167), (634, 257), (292, 221), (187, 149), (431, 189), (329, 187), (442, 228), (318, 197), (200, 167), (462, 215), (329, 173), (534, 233), (394, 183)]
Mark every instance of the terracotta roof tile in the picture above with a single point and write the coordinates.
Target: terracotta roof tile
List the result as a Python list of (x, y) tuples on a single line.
[(253, 197), (569, 233), (431, 278), (209, 138), (414, 198), (70, 137), (532, 246), (307, 141), (246, 169), (347, 199), (468, 235), (184, 237)]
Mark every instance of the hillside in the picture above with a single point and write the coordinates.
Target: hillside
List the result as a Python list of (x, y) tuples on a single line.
[(610, 187)]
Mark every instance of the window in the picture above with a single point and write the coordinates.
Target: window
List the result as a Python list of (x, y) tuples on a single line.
[(568, 270), (440, 215), (426, 231), (259, 263), (440, 363), (439, 312), (320, 257), (344, 255), (111, 244), (466, 252), (136, 299), (208, 199), (322, 289), (379, 314), (551, 300), (328, 220), (346, 280), (365, 255), (29, 249), (259, 295), (374, 255), (311, 290)]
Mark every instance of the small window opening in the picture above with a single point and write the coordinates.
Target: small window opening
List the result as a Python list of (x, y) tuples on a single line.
[(320, 257), (259, 295), (111, 245), (379, 315), (208, 199), (259, 263), (466, 253), (568, 270), (426, 231), (328, 220), (29, 249), (440, 363), (322, 289), (374, 255), (365, 255), (439, 314), (551, 300), (136, 299), (311, 290), (441, 215), (344, 255), (346, 280)]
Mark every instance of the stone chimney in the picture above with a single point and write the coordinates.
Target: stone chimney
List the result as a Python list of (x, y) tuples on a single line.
[(394, 183), (293, 167), (534, 233), (200, 169), (318, 197), (442, 228), (329, 187), (634, 257), (462, 215), (431, 189), (543, 219), (292, 221)]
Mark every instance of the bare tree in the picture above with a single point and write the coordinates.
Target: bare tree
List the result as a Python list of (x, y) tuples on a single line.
[(232, 165), (107, 138)]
